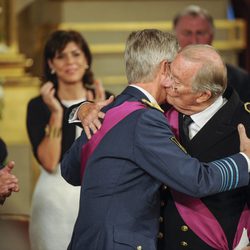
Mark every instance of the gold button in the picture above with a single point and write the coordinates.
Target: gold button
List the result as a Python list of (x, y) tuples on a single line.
[(160, 219), (139, 248), (184, 228), (184, 244), (160, 235)]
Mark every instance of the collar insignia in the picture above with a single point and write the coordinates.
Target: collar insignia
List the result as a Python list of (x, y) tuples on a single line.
[(152, 105)]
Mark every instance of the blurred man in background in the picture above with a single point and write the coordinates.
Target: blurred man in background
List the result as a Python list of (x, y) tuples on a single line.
[(194, 25)]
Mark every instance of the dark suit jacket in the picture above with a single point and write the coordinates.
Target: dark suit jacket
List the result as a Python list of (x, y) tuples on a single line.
[(218, 138), (239, 79), (3, 152), (119, 204)]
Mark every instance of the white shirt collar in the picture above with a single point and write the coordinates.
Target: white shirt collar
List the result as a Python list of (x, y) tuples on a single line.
[(201, 118), (146, 93)]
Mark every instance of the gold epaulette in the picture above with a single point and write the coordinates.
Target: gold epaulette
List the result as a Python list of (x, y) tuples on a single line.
[(174, 140), (152, 105), (247, 106)]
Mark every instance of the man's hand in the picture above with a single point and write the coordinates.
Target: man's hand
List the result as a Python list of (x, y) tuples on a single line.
[(8, 181), (89, 115), (244, 140)]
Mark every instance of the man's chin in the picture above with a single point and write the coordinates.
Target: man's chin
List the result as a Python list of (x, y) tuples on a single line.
[(170, 100)]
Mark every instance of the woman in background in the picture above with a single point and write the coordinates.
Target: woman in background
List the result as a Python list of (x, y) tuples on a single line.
[(68, 80)]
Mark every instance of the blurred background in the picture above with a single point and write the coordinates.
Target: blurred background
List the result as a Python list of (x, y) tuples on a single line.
[(25, 26)]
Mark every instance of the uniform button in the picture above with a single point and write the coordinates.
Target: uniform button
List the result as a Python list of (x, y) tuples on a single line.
[(164, 187), (160, 235), (139, 248), (184, 244), (162, 203), (184, 228), (161, 219)]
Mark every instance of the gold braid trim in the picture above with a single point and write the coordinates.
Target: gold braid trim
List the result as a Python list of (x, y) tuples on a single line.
[(152, 105)]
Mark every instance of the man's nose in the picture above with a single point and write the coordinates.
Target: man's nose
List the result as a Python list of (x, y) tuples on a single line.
[(194, 39)]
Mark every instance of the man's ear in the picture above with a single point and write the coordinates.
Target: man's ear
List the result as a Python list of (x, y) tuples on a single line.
[(163, 69), (164, 65), (204, 96)]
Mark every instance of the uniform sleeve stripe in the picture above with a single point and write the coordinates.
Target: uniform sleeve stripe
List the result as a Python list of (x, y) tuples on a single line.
[(222, 175), (236, 171), (231, 171), (224, 170)]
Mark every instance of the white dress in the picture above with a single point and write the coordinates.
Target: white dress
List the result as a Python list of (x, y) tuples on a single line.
[(54, 209)]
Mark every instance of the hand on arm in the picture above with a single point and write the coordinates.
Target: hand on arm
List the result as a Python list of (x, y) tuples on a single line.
[(49, 150), (244, 141), (90, 113)]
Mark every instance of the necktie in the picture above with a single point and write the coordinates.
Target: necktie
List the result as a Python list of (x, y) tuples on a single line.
[(187, 120)]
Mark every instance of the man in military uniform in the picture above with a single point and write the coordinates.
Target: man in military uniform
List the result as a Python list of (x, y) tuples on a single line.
[(219, 221), (122, 167)]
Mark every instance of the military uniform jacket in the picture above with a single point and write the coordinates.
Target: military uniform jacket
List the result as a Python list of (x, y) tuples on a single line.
[(218, 138), (120, 203)]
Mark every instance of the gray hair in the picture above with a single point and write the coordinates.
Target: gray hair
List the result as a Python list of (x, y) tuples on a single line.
[(212, 75), (194, 11), (144, 52)]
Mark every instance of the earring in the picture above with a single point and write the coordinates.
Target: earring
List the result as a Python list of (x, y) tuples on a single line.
[(52, 71)]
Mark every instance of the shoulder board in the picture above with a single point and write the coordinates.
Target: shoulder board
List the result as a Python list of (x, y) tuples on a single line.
[(152, 105), (247, 106)]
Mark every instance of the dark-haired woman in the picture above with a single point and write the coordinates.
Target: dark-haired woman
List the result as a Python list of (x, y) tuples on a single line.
[(67, 80)]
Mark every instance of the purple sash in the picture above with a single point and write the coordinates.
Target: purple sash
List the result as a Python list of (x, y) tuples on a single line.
[(172, 117), (202, 222), (198, 217), (112, 117)]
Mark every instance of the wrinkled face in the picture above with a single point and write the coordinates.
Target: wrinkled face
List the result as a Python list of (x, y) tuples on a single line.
[(193, 30), (70, 64), (180, 93)]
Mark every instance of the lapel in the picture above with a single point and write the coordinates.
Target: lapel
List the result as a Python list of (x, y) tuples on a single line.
[(217, 128)]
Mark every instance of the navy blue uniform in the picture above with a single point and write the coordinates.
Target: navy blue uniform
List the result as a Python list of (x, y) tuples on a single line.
[(120, 203)]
